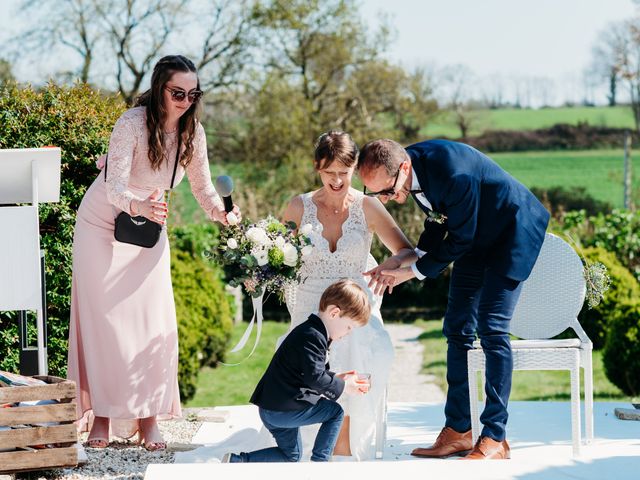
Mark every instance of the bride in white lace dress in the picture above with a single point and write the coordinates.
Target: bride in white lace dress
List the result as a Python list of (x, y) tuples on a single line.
[(343, 222)]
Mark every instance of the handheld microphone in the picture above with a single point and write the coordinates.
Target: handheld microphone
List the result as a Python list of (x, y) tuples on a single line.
[(224, 187)]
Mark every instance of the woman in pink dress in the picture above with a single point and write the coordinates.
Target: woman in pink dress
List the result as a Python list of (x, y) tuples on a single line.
[(123, 339)]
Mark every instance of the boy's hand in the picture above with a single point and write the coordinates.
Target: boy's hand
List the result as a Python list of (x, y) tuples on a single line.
[(351, 385), (344, 374)]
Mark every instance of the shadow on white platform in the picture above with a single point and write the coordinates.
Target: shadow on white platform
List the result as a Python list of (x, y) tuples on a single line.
[(539, 435)]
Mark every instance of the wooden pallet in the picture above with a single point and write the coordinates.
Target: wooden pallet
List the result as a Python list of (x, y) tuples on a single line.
[(32, 445)]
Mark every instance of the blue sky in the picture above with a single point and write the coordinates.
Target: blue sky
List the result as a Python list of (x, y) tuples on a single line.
[(534, 38), (530, 37)]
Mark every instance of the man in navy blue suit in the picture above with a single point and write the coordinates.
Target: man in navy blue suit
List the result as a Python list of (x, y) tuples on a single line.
[(492, 228)]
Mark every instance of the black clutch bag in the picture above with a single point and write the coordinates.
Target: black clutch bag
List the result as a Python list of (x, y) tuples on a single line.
[(139, 230), (136, 230)]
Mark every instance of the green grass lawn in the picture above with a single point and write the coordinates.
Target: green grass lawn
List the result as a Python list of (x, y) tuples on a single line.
[(234, 385), (534, 385), (530, 119)]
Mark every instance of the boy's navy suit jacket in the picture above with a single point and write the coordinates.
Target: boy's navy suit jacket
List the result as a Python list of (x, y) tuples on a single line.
[(298, 374)]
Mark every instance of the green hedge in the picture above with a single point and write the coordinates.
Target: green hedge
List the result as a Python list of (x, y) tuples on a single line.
[(623, 287), (204, 317), (204, 309), (79, 120), (622, 350)]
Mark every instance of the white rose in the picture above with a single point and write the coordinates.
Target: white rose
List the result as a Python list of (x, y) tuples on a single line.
[(290, 255), (232, 218), (262, 257), (232, 243), (306, 229), (306, 250), (257, 236), (280, 242)]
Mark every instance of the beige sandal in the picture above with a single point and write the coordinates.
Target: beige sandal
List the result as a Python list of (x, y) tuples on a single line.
[(97, 442), (151, 446)]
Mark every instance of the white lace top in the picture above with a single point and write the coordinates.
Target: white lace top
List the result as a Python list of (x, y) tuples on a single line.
[(322, 267), (348, 260), (129, 165)]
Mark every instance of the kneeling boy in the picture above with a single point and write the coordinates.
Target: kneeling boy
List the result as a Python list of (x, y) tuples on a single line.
[(299, 389)]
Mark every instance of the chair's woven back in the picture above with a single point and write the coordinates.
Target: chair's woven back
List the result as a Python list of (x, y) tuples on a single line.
[(553, 294)]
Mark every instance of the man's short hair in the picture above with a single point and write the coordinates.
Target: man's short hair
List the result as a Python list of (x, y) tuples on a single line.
[(381, 153), (350, 298)]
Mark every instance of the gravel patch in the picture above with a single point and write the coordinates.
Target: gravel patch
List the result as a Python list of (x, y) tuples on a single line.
[(407, 383), (123, 459)]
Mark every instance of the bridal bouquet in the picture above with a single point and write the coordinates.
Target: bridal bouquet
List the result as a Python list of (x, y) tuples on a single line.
[(264, 256)]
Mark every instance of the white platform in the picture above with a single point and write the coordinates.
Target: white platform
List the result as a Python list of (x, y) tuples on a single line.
[(539, 434)]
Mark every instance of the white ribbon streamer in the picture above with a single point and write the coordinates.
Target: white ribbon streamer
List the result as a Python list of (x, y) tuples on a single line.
[(257, 318)]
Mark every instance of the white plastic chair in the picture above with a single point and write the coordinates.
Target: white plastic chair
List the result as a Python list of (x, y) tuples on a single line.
[(550, 301)]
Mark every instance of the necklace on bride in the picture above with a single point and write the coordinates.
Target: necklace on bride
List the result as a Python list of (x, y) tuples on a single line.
[(328, 208), (337, 210)]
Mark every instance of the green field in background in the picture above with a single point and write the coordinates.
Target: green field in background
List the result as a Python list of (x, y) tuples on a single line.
[(599, 171), (530, 119)]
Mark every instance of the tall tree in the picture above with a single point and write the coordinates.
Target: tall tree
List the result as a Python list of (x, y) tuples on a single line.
[(119, 41), (629, 66), (457, 81), (67, 23), (315, 45), (607, 56), (227, 40), (319, 68), (138, 31), (6, 74)]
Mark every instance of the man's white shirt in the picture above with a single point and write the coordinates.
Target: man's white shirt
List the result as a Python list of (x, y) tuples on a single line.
[(420, 197)]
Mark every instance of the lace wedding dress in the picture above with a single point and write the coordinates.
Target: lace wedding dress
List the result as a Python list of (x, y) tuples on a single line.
[(367, 349)]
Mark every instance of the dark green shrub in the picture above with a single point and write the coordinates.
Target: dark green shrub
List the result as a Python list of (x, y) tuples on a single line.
[(204, 316), (199, 241), (79, 120), (623, 287), (617, 232), (558, 137), (559, 200), (622, 350)]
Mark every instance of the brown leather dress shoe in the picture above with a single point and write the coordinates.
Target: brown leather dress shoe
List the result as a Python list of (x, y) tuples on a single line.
[(448, 443), (489, 449)]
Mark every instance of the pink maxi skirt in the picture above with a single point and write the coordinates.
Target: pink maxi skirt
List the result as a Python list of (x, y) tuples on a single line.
[(123, 338)]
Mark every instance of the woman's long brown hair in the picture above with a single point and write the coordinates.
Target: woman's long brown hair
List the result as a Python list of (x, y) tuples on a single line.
[(157, 113)]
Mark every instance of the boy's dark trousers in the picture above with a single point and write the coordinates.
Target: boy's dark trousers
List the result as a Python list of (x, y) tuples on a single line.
[(284, 426)]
